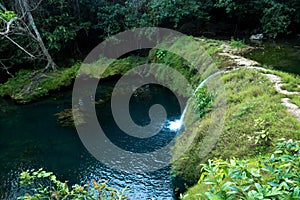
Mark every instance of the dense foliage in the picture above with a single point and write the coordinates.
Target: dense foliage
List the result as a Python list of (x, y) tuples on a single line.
[(74, 27), (274, 177), (39, 184)]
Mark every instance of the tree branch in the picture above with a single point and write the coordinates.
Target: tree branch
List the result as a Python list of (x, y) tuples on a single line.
[(32, 56), (38, 36), (36, 6), (8, 24), (6, 69)]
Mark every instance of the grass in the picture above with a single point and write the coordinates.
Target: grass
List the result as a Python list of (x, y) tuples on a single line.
[(188, 55), (254, 119), (291, 81), (295, 99), (237, 43)]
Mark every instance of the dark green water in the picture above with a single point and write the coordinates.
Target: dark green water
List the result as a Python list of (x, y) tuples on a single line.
[(31, 138), (283, 55)]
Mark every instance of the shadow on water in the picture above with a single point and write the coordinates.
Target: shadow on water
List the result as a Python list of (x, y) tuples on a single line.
[(283, 55), (31, 138)]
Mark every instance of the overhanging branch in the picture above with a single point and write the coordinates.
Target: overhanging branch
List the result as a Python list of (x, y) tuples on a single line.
[(8, 24), (32, 56)]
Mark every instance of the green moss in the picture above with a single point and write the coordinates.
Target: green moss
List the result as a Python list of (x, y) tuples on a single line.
[(31, 85), (27, 86), (254, 119), (189, 56), (65, 118), (106, 67)]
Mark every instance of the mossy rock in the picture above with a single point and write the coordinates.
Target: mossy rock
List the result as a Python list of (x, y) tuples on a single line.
[(66, 118), (27, 86), (103, 100), (106, 67)]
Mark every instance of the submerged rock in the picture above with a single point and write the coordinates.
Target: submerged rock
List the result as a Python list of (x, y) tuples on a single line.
[(103, 100), (66, 117)]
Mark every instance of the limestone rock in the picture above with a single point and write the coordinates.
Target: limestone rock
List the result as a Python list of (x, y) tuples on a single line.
[(257, 37)]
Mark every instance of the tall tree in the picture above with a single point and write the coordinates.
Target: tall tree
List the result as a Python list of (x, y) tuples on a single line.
[(20, 22)]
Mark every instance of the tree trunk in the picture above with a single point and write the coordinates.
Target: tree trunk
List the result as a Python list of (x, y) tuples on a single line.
[(2, 7), (51, 63)]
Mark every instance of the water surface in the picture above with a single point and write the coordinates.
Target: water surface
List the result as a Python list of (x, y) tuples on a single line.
[(31, 138), (283, 55)]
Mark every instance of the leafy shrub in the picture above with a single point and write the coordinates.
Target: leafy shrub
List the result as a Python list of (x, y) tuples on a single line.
[(276, 18), (7, 15), (276, 177), (204, 101), (44, 185)]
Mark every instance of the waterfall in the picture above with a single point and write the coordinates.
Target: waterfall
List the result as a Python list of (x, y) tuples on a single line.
[(178, 124)]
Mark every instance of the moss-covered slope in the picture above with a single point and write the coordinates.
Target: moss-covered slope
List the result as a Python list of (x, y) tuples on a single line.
[(255, 119)]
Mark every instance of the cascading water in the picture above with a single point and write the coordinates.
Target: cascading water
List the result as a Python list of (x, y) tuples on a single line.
[(179, 123)]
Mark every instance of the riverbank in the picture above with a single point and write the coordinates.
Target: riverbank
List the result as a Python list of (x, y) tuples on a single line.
[(28, 86), (255, 115)]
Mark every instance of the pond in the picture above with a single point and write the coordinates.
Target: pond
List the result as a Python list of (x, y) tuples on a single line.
[(31, 138), (283, 55)]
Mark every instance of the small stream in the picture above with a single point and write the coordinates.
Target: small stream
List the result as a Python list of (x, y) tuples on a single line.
[(31, 138)]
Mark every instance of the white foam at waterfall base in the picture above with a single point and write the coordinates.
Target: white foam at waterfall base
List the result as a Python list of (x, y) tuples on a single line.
[(177, 124), (174, 125)]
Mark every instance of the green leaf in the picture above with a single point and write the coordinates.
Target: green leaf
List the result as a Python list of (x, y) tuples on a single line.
[(258, 187), (296, 193), (273, 184), (234, 189)]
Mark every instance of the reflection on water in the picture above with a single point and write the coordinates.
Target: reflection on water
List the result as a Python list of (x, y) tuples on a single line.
[(283, 55), (31, 138)]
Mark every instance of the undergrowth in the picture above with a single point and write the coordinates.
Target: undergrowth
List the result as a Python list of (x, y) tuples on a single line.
[(39, 184), (270, 177)]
